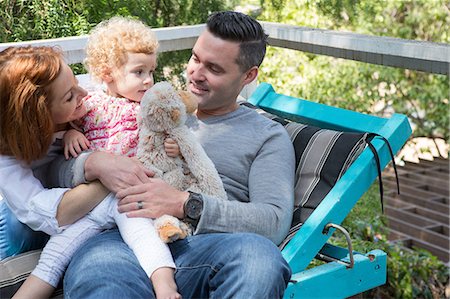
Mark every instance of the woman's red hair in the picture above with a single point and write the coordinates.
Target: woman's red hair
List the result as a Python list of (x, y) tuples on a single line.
[(26, 125)]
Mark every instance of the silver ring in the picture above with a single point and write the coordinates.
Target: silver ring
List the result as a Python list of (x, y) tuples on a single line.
[(140, 205)]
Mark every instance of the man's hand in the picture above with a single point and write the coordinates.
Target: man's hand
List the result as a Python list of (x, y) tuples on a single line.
[(157, 197), (116, 172), (74, 143)]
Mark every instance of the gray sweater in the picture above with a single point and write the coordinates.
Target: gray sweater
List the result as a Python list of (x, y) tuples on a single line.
[(255, 159)]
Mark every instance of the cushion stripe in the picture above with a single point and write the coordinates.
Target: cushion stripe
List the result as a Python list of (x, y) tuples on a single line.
[(300, 141), (359, 141), (329, 173), (311, 163)]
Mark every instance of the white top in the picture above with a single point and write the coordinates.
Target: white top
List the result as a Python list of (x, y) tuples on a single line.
[(31, 202)]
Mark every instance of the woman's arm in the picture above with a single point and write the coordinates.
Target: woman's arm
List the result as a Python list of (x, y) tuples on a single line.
[(115, 172), (79, 201), (40, 208), (46, 209), (31, 203)]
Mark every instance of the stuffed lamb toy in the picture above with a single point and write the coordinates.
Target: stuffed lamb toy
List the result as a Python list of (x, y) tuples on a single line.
[(163, 114)]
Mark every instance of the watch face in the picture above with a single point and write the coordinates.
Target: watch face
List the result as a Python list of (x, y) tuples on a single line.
[(194, 206)]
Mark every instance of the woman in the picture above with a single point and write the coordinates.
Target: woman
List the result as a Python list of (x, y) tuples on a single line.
[(28, 121), (39, 96)]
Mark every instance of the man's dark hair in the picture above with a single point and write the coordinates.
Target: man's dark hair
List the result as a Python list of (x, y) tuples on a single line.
[(239, 27)]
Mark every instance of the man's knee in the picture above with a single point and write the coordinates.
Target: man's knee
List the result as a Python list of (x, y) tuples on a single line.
[(256, 254), (255, 266)]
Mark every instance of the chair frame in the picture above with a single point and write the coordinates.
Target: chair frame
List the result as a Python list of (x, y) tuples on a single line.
[(335, 279)]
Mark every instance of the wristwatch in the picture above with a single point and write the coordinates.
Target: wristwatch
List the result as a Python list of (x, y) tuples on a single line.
[(193, 208)]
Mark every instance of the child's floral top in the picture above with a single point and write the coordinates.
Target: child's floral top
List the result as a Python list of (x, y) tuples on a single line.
[(111, 123)]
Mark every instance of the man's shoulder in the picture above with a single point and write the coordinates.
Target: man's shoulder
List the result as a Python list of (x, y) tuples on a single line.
[(259, 119)]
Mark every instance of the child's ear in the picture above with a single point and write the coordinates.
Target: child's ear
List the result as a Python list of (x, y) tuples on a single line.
[(107, 77)]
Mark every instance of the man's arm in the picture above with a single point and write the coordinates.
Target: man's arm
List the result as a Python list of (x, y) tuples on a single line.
[(270, 191)]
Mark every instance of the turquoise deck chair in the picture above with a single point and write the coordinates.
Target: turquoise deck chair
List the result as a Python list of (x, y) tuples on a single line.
[(349, 272)]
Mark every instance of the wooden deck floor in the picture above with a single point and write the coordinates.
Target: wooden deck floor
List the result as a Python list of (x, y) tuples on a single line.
[(419, 216)]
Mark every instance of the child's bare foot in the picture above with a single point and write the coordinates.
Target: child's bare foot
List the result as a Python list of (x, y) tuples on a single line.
[(167, 293), (164, 284)]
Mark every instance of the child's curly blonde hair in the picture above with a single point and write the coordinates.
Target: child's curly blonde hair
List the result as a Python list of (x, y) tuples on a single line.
[(111, 40)]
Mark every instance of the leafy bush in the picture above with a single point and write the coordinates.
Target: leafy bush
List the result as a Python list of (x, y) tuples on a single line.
[(44, 19), (360, 86)]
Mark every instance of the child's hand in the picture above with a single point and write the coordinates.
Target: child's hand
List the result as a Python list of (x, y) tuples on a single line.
[(74, 143), (171, 147)]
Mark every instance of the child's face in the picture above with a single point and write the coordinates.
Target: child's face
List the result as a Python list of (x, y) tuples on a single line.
[(66, 97), (133, 79)]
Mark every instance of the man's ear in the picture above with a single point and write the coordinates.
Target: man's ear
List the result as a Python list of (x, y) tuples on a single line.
[(251, 74)]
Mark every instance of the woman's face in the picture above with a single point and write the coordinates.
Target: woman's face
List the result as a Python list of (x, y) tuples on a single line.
[(66, 97)]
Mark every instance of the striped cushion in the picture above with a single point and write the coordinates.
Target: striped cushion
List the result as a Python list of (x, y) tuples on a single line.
[(14, 270), (322, 156)]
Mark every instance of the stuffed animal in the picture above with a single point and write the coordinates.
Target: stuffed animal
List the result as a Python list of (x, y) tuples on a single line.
[(163, 114)]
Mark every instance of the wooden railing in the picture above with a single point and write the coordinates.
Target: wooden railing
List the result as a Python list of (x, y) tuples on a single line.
[(409, 54)]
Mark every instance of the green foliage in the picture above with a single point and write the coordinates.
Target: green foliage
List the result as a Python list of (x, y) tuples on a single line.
[(162, 13), (360, 86), (42, 19)]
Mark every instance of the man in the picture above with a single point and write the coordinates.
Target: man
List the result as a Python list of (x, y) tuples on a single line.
[(233, 252)]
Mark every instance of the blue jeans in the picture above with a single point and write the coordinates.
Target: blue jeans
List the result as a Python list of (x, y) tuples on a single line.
[(239, 265), (16, 237)]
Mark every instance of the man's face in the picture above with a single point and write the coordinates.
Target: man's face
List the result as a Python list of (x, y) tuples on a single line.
[(213, 74)]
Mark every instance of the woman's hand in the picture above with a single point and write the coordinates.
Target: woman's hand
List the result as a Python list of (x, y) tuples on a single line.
[(116, 172), (157, 198)]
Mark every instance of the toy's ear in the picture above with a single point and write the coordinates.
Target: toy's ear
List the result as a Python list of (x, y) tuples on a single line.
[(175, 114), (189, 101)]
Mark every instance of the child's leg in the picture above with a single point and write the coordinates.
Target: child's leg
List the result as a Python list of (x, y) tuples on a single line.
[(34, 287), (153, 255), (54, 259)]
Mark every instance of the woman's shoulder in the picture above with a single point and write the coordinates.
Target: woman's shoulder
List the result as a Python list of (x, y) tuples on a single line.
[(9, 164)]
